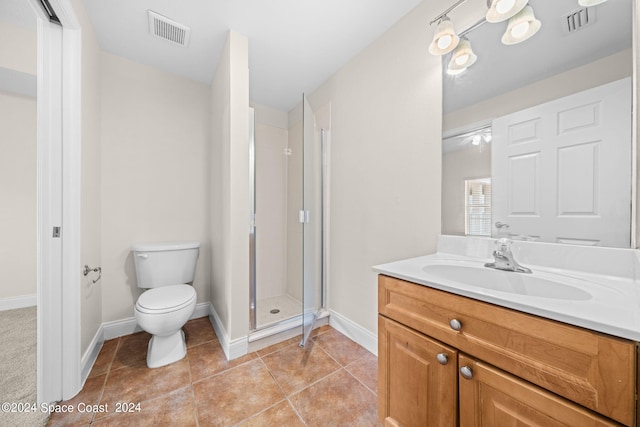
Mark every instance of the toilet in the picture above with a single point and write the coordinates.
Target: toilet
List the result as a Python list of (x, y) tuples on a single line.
[(166, 271)]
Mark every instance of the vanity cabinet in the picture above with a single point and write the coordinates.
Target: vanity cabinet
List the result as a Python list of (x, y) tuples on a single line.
[(524, 369)]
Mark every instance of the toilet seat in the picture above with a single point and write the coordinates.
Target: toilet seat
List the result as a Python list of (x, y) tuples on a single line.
[(166, 299)]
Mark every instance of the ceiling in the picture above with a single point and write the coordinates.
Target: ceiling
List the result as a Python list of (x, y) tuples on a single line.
[(294, 45)]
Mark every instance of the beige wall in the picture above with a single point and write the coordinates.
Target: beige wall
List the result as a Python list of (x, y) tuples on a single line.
[(229, 163), (155, 163), (386, 116), (271, 201), (18, 49), (458, 166), (18, 194)]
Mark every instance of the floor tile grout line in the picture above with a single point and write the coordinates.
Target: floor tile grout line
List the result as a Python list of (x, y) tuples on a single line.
[(193, 393), (286, 397), (225, 370), (106, 378)]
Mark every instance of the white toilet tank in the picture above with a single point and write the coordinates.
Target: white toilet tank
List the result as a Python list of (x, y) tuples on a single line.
[(165, 264)]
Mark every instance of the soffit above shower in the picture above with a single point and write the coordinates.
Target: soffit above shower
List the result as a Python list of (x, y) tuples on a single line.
[(285, 38)]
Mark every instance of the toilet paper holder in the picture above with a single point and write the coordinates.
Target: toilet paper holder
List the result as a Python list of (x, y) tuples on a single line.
[(88, 270)]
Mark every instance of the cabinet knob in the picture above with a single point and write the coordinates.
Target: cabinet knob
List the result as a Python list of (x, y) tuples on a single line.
[(466, 372), (442, 358), (455, 324)]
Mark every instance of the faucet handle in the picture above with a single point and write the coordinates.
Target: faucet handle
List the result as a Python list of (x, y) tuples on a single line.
[(504, 243)]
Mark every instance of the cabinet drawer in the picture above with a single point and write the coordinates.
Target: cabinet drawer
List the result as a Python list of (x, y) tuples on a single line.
[(595, 370)]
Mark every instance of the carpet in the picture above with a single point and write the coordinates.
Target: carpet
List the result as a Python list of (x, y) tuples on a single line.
[(18, 369)]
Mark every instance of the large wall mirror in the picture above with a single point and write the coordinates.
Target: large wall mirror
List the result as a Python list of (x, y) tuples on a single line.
[(537, 136)]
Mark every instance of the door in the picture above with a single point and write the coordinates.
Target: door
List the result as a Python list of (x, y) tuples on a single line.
[(311, 218), (490, 397), (417, 378), (562, 170)]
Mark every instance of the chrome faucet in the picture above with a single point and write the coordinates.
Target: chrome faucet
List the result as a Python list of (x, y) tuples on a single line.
[(503, 258)]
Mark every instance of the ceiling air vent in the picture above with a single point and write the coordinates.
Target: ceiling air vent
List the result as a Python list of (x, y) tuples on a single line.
[(579, 19), (166, 29)]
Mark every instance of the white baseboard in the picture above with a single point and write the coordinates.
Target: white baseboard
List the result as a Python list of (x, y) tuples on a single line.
[(351, 329), (20, 301), (128, 326), (119, 328), (232, 349), (90, 356)]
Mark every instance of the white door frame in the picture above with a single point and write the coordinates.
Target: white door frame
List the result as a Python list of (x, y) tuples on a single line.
[(59, 185)]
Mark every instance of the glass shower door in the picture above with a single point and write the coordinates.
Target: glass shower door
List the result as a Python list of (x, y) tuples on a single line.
[(311, 219)]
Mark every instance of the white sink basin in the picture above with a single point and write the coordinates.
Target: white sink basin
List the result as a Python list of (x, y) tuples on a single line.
[(507, 281)]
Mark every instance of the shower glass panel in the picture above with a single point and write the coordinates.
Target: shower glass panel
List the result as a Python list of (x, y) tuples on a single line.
[(311, 217), (285, 235)]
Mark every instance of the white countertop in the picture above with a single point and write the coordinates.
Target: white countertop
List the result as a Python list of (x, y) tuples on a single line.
[(614, 306)]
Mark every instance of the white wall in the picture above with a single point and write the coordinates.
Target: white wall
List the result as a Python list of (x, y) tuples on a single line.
[(229, 163), (294, 204), (271, 201), (155, 169), (17, 166), (386, 115)]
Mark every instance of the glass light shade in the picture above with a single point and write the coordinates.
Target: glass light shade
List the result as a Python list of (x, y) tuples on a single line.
[(521, 27), (501, 10), (587, 3), (462, 57), (445, 38)]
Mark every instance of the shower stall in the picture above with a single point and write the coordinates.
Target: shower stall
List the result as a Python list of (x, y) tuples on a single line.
[(288, 170)]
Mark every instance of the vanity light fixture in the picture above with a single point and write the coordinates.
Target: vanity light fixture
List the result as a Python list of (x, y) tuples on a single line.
[(521, 27), (445, 38), (462, 57), (501, 10), (587, 3)]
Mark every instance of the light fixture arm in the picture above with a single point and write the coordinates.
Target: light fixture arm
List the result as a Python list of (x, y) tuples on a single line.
[(443, 14)]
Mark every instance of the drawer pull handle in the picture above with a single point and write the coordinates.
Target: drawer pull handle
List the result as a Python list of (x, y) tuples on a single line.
[(455, 324), (466, 372), (442, 358)]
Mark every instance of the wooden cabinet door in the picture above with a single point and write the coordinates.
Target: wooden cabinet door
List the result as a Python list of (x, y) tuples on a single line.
[(494, 398), (417, 378)]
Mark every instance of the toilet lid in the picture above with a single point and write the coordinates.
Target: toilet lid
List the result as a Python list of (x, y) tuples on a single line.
[(166, 298)]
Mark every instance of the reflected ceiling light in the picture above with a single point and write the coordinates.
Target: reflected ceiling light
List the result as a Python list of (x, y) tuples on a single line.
[(587, 3), (521, 27), (501, 10), (451, 72), (445, 38), (462, 57)]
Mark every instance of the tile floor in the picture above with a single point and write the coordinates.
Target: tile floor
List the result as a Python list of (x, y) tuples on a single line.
[(331, 382)]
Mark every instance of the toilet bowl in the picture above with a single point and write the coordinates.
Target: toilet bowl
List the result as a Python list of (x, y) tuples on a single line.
[(165, 271), (162, 312)]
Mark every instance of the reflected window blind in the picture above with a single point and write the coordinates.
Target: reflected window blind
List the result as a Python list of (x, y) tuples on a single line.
[(478, 207)]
